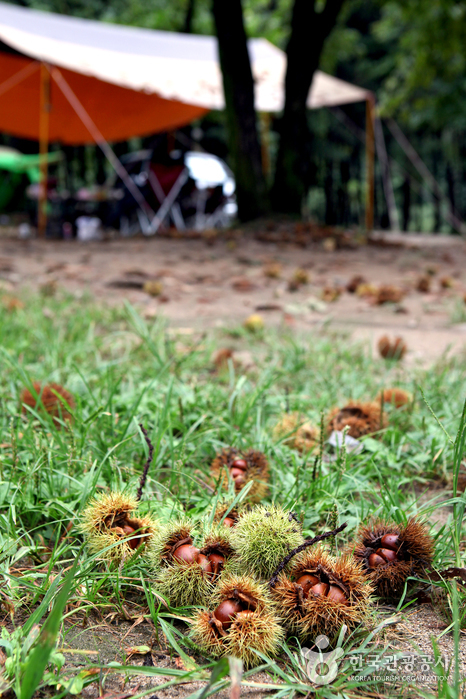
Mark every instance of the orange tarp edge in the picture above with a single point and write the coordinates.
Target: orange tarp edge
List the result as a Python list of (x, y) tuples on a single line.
[(119, 113)]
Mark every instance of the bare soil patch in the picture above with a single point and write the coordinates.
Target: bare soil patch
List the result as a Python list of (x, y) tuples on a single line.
[(219, 281)]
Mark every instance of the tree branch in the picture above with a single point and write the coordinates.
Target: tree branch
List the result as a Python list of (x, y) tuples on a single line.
[(308, 542), (143, 479)]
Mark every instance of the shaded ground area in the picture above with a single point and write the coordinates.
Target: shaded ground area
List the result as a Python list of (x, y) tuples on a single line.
[(221, 280)]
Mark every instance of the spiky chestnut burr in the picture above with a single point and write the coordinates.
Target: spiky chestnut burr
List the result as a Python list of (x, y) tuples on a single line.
[(186, 573), (52, 398), (360, 418), (241, 620), (263, 537), (388, 293), (320, 593), (397, 397), (392, 349), (112, 519), (391, 552), (297, 432), (243, 467)]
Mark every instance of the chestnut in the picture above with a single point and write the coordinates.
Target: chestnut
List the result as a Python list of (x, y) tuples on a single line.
[(390, 541), (242, 464), (186, 553), (240, 481), (387, 554), (216, 562), (337, 595), (237, 473), (376, 560), (205, 563), (228, 522), (320, 590), (306, 582), (226, 612)]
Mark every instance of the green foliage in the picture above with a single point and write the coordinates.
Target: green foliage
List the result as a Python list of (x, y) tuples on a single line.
[(427, 81)]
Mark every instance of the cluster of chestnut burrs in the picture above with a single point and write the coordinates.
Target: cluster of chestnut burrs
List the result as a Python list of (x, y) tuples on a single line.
[(248, 572), (360, 418)]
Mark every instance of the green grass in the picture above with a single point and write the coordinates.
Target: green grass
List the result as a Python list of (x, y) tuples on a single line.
[(124, 371)]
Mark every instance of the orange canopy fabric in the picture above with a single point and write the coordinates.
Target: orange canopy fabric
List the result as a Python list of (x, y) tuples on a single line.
[(119, 113)]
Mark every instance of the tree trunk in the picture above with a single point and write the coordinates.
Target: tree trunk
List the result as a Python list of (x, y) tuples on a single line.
[(406, 189), (188, 20), (238, 85), (309, 29), (451, 191)]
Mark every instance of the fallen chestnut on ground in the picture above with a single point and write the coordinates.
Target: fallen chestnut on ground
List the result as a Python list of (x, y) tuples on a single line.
[(112, 519), (228, 521), (390, 553), (52, 398), (241, 621), (242, 467), (397, 397), (185, 572), (360, 418), (263, 537), (319, 593), (297, 432), (391, 349), (218, 551)]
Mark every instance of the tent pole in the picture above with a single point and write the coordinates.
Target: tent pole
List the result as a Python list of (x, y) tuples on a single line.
[(43, 148), (370, 149)]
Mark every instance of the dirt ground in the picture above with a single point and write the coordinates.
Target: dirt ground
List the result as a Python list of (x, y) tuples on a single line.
[(220, 281)]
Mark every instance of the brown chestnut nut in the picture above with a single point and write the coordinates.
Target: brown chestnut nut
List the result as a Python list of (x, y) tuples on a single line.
[(337, 595), (204, 563), (226, 612), (240, 463), (186, 553), (217, 561), (239, 482), (390, 541), (375, 560), (237, 473), (228, 522), (387, 554), (306, 582), (128, 530), (320, 590)]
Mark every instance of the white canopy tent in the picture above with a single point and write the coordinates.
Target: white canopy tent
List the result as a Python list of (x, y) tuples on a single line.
[(182, 67)]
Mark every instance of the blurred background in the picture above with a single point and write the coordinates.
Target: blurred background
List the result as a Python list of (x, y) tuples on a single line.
[(409, 56)]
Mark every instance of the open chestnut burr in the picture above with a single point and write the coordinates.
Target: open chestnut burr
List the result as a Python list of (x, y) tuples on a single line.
[(360, 418), (242, 620), (242, 467), (390, 553), (185, 572), (320, 592), (225, 516), (112, 518)]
